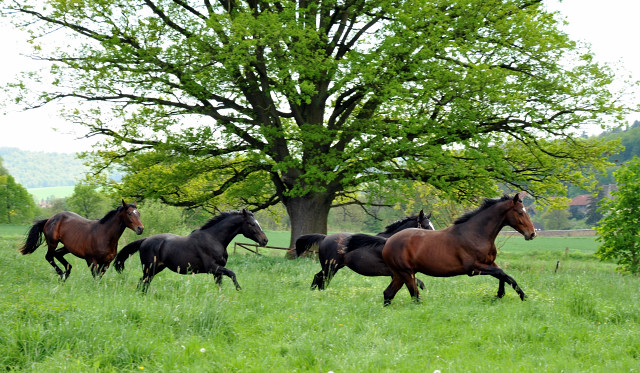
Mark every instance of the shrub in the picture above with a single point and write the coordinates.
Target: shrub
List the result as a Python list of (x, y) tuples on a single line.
[(619, 229)]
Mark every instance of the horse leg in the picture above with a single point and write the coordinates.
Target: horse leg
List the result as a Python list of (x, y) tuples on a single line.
[(93, 266), (50, 258), (420, 283), (497, 272), (218, 277), (218, 270), (500, 289), (318, 281), (329, 268), (59, 255), (98, 269), (410, 280), (148, 273), (392, 289)]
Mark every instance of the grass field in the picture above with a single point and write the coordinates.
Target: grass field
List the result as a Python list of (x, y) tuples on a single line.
[(581, 318), (57, 192)]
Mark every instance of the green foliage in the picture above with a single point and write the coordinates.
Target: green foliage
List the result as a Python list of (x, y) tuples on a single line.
[(88, 202), (619, 229), (629, 137), (157, 218), (314, 103), (16, 204), (556, 219), (574, 319)]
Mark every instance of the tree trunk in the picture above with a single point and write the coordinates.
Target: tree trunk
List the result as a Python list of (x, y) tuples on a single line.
[(308, 214)]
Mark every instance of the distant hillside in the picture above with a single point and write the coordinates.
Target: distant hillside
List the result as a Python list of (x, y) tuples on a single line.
[(40, 169), (629, 138)]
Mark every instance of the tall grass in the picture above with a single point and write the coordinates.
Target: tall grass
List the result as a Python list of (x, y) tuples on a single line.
[(581, 317)]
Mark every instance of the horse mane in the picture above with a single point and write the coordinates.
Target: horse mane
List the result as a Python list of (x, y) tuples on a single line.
[(392, 227), (488, 202), (220, 217), (363, 241), (111, 214)]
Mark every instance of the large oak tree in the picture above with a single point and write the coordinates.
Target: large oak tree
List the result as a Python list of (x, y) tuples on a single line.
[(312, 103)]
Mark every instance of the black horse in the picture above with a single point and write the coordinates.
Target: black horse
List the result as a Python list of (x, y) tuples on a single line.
[(202, 251), (367, 262)]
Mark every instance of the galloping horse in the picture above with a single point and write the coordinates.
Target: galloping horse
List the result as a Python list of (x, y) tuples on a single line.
[(466, 247), (202, 251), (95, 241), (332, 258)]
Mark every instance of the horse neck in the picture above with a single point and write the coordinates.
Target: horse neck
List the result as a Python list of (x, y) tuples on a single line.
[(226, 230), (487, 223), (407, 224), (114, 227)]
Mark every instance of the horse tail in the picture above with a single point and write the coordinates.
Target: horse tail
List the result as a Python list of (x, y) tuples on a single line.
[(307, 241), (363, 241), (125, 253), (34, 237)]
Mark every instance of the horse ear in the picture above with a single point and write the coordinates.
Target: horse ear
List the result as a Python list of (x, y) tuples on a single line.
[(124, 203), (421, 215), (429, 216), (245, 212), (517, 198)]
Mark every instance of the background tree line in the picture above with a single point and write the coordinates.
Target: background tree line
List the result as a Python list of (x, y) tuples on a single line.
[(42, 169), (89, 202)]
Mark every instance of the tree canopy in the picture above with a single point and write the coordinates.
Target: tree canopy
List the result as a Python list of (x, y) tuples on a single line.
[(319, 103)]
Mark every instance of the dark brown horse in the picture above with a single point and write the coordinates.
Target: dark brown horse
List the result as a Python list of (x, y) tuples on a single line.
[(95, 241), (465, 248), (367, 262)]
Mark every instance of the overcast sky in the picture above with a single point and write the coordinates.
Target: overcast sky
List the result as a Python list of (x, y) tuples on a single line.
[(609, 27)]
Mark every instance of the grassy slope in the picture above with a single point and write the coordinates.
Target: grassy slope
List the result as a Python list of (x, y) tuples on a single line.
[(582, 318)]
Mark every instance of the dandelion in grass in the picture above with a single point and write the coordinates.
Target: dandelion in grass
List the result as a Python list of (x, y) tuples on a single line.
[(141, 367), (202, 350)]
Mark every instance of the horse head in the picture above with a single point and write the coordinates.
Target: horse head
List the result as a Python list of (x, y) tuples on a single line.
[(424, 221), (131, 217), (251, 228), (518, 218)]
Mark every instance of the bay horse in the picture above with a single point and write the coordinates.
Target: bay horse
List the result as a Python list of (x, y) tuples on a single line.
[(202, 251), (365, 262), (95, 241), (465, 248)]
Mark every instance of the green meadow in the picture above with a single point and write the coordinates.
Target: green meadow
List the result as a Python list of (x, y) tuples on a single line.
[(580, 316), (56, 192)]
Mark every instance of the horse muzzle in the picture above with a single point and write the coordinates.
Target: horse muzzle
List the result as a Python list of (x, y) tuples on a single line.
[(139, 230), (531, 236), (263, 240)]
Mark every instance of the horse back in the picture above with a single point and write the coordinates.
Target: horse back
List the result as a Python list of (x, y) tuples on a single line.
[(69, 228), (434, 253)]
